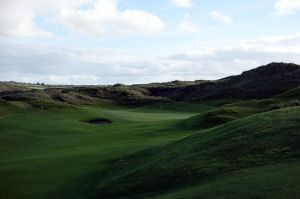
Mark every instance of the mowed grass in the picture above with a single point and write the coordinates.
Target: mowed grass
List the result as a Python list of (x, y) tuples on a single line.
[(54, 153)]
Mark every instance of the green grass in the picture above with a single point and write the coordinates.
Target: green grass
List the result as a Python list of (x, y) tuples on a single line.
[(269, 182), (162, 150), (217, 117), (51, 153), (260, 139)]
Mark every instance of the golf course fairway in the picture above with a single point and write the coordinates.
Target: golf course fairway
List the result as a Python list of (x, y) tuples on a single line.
[(54, 153)]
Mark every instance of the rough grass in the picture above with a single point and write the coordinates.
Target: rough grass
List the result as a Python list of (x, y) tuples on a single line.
[(8, 86)]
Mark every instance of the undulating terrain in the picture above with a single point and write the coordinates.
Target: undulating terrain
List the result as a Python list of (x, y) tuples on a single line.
[(237, 138)]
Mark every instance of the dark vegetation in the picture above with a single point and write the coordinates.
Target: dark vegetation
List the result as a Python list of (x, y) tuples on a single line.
[(235, 138)]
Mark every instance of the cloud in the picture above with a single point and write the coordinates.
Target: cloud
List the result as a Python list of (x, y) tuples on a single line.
[(283, 7), (181, 3), (221, 16), (17, 17), (33, 63), (21, 26), (80, 65), (185, 25), (104, 17), (94, 17), (230, 59)]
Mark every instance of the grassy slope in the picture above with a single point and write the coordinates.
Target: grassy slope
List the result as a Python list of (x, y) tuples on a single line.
[(217, 117), (261, 139), (52, 154), (226, 113), (269, 182)]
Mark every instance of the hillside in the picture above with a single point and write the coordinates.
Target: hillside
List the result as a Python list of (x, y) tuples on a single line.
[(262, 82), (9, 86), (250, 142)]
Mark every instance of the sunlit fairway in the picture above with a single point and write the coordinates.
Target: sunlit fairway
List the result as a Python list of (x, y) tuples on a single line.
[(54, 153)]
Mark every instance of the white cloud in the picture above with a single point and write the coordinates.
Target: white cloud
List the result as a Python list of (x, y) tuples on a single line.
[(105, 17), (221, 16), (181, 3), (21, 26), (283, 7), (185, 25), (102, 66), (18, 17), (230, 59)]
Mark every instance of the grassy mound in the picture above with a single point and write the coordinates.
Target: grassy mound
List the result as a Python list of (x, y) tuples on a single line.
[(216, 117), (260, 139)]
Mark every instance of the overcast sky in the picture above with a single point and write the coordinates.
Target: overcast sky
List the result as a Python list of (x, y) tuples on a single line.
[(140, 41)]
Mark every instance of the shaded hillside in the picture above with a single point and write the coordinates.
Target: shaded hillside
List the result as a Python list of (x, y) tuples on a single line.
[(245, 143), (262, 82), (246, 184)]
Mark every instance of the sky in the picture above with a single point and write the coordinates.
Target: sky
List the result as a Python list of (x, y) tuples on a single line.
[(140, 41)]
